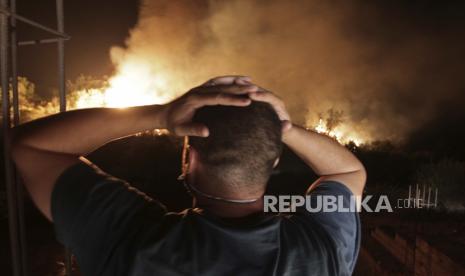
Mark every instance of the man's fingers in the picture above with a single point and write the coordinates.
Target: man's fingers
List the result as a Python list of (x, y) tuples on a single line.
[(228, 89), (265, 96), (191, 129), (200, 100), (243, 81), (225, 80), (286, 125), (274, 101)]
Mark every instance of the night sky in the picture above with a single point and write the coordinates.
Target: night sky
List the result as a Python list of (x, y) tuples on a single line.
[(94, 26), (395, 66)]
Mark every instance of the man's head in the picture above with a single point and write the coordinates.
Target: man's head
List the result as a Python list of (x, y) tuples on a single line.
[(243, 146)]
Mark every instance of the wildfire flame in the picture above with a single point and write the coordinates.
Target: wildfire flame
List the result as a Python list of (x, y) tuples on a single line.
[(136, 85), (341, 133), (133, 85)]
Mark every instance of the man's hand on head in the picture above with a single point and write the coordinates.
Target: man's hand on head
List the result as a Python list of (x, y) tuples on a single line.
[(324, 155), (227, 90), (263, 95), (228, 80)]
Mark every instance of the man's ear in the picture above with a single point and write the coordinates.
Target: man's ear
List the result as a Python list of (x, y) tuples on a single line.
[(276, 162)]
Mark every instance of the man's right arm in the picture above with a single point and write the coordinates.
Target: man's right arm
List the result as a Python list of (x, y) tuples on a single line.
[(328, 159), (341, 175)]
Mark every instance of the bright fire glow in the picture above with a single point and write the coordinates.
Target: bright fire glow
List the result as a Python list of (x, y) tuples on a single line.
[(342, 134), (133, 85)]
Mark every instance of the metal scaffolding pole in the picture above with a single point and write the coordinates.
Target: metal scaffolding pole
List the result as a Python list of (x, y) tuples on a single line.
[(9, 176), (40, 41), (14, 62), (18, 17), (61, 56), (16, 116), (8, 48), (62, 92)]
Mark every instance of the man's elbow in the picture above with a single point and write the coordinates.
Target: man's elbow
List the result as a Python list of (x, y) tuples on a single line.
[(363, 176), (358, 176)]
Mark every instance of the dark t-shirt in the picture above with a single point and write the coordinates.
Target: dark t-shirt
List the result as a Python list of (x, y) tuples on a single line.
[(113, 229)]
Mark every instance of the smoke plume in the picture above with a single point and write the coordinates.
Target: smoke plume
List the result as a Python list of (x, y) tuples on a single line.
[(388, 68), (360, 70)]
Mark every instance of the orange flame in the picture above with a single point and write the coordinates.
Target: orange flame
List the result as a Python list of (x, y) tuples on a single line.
[(133, 85), (341, 133)]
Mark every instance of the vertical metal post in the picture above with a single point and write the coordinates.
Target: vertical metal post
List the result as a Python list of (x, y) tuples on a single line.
[(14, 62), (9, 176), (61, 56), (16, 116), (62, 92)]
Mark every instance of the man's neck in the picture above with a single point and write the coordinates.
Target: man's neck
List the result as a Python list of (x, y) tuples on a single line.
[(229, 210), (219, 207)]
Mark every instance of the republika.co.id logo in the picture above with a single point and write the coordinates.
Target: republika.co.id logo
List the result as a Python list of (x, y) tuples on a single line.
[(315, 203)]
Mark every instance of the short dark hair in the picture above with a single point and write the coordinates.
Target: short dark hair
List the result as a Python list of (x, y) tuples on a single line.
[(243, 144)]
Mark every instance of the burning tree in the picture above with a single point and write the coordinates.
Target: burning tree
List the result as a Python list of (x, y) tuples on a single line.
[(31, 105), (332, 123)]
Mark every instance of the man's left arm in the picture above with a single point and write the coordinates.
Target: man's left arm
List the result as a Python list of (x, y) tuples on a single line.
[(43, 149)]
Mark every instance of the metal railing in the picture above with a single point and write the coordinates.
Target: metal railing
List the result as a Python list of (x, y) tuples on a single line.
[(9, 78)]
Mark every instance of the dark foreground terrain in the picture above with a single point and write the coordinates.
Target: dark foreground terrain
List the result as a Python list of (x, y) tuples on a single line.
[(404, 242)]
